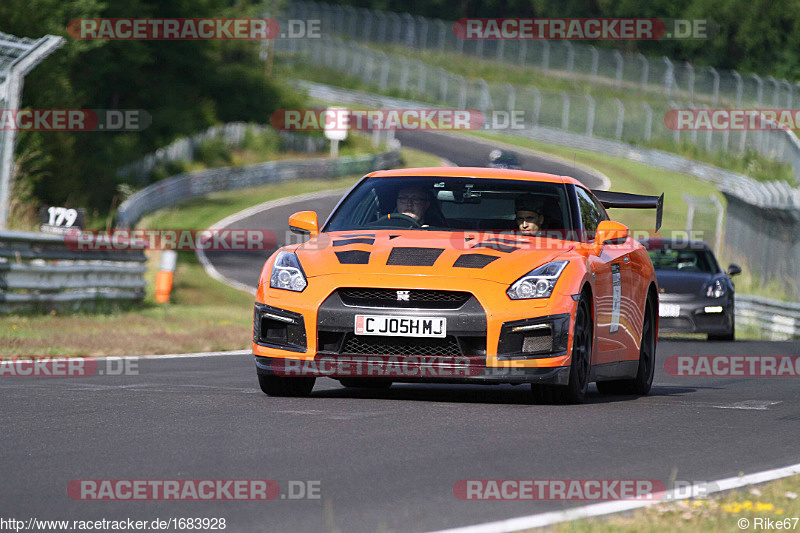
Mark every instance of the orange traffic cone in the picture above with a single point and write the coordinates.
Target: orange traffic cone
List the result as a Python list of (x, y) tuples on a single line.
[(166, 270)]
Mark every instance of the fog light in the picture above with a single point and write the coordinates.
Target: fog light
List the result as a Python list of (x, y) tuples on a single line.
[(713, 309)]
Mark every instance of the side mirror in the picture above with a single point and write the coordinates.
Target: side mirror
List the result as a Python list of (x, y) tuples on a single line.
[(734, 269), (610, 232), (304, 223)]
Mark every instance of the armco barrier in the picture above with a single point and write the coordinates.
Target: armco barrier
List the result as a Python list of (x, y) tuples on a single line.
[(773, 319), (39, 273), (184, 187)]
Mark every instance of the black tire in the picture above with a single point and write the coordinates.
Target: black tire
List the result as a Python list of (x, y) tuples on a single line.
[(281, 386), (575, 390), (643, 381), (357, 383), (729, 336)]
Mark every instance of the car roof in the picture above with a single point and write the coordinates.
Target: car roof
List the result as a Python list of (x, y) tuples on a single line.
[(474, 172)]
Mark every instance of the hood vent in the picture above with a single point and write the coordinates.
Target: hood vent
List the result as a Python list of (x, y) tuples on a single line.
[(474, 260), (414, 256), (353, 257)]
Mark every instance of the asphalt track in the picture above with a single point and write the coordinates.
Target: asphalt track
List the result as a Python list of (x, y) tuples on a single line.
[(384, 460)]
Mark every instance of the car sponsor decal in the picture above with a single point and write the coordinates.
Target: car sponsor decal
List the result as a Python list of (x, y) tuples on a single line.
[(616, 282)]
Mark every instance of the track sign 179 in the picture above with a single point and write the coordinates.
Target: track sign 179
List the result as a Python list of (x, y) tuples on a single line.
[(60, 219)]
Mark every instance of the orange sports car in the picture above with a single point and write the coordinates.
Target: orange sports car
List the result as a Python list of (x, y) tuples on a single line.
[(462, 275)]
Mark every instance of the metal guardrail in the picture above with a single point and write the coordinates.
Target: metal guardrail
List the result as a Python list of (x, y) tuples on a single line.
[(232, 134), (184, 187), (774, 319), (39, 273)]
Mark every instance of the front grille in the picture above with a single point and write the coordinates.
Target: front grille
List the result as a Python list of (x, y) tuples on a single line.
[(420, 299), (356, 345)]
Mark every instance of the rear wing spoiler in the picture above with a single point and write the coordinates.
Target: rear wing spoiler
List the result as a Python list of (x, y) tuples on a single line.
[(632, 201)]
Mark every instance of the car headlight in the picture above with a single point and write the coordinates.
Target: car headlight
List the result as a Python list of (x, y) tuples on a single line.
[(716, 289), (287, 273), (537, 283)]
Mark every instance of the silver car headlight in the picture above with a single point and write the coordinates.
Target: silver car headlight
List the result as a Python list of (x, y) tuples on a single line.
[(287, 273), (537, 283), (716, 289)]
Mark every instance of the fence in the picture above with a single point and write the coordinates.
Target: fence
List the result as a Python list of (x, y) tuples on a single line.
[(771, 318), (193, 184), (40, 273), (580, 62), (233, 134), (594, 116)]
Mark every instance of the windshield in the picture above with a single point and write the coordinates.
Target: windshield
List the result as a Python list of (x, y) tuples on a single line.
[(684, 260), (452, 204)]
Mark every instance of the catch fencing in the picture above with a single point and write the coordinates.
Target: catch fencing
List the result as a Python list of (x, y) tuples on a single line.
[(574, 61), (632, 120), (40, 273)]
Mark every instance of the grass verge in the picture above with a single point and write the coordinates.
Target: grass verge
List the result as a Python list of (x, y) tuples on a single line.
[(776, 501)]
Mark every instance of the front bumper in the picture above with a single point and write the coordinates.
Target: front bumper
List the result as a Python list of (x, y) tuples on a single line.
[(693, 317), (409, 369), (493, 333)]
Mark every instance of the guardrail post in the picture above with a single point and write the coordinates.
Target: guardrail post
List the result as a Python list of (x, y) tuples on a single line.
[(404, 74), (669, 77), (788, 93), (537, 105), (367, 33), (421, 79), (511, 101), (397, 23), (688, 66), (442, 84), (422, 42), (595, 63), (564, 111), (501, 48), (381, 26), (570, 56), (676, 134), (645, 70), (462, 92), (546, 56), (648, 122), (442, 34), (411, 30), (620, 66), (620, 118), (590, 116), (523, 50), (486, 97), (775, 91), (384, 81)]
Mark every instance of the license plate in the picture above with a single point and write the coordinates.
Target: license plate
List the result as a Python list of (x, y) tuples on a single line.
[(401, 326), (669, 310)]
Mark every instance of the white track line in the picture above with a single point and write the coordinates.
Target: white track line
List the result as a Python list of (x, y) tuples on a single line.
[(250, 211), (607, 508)]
